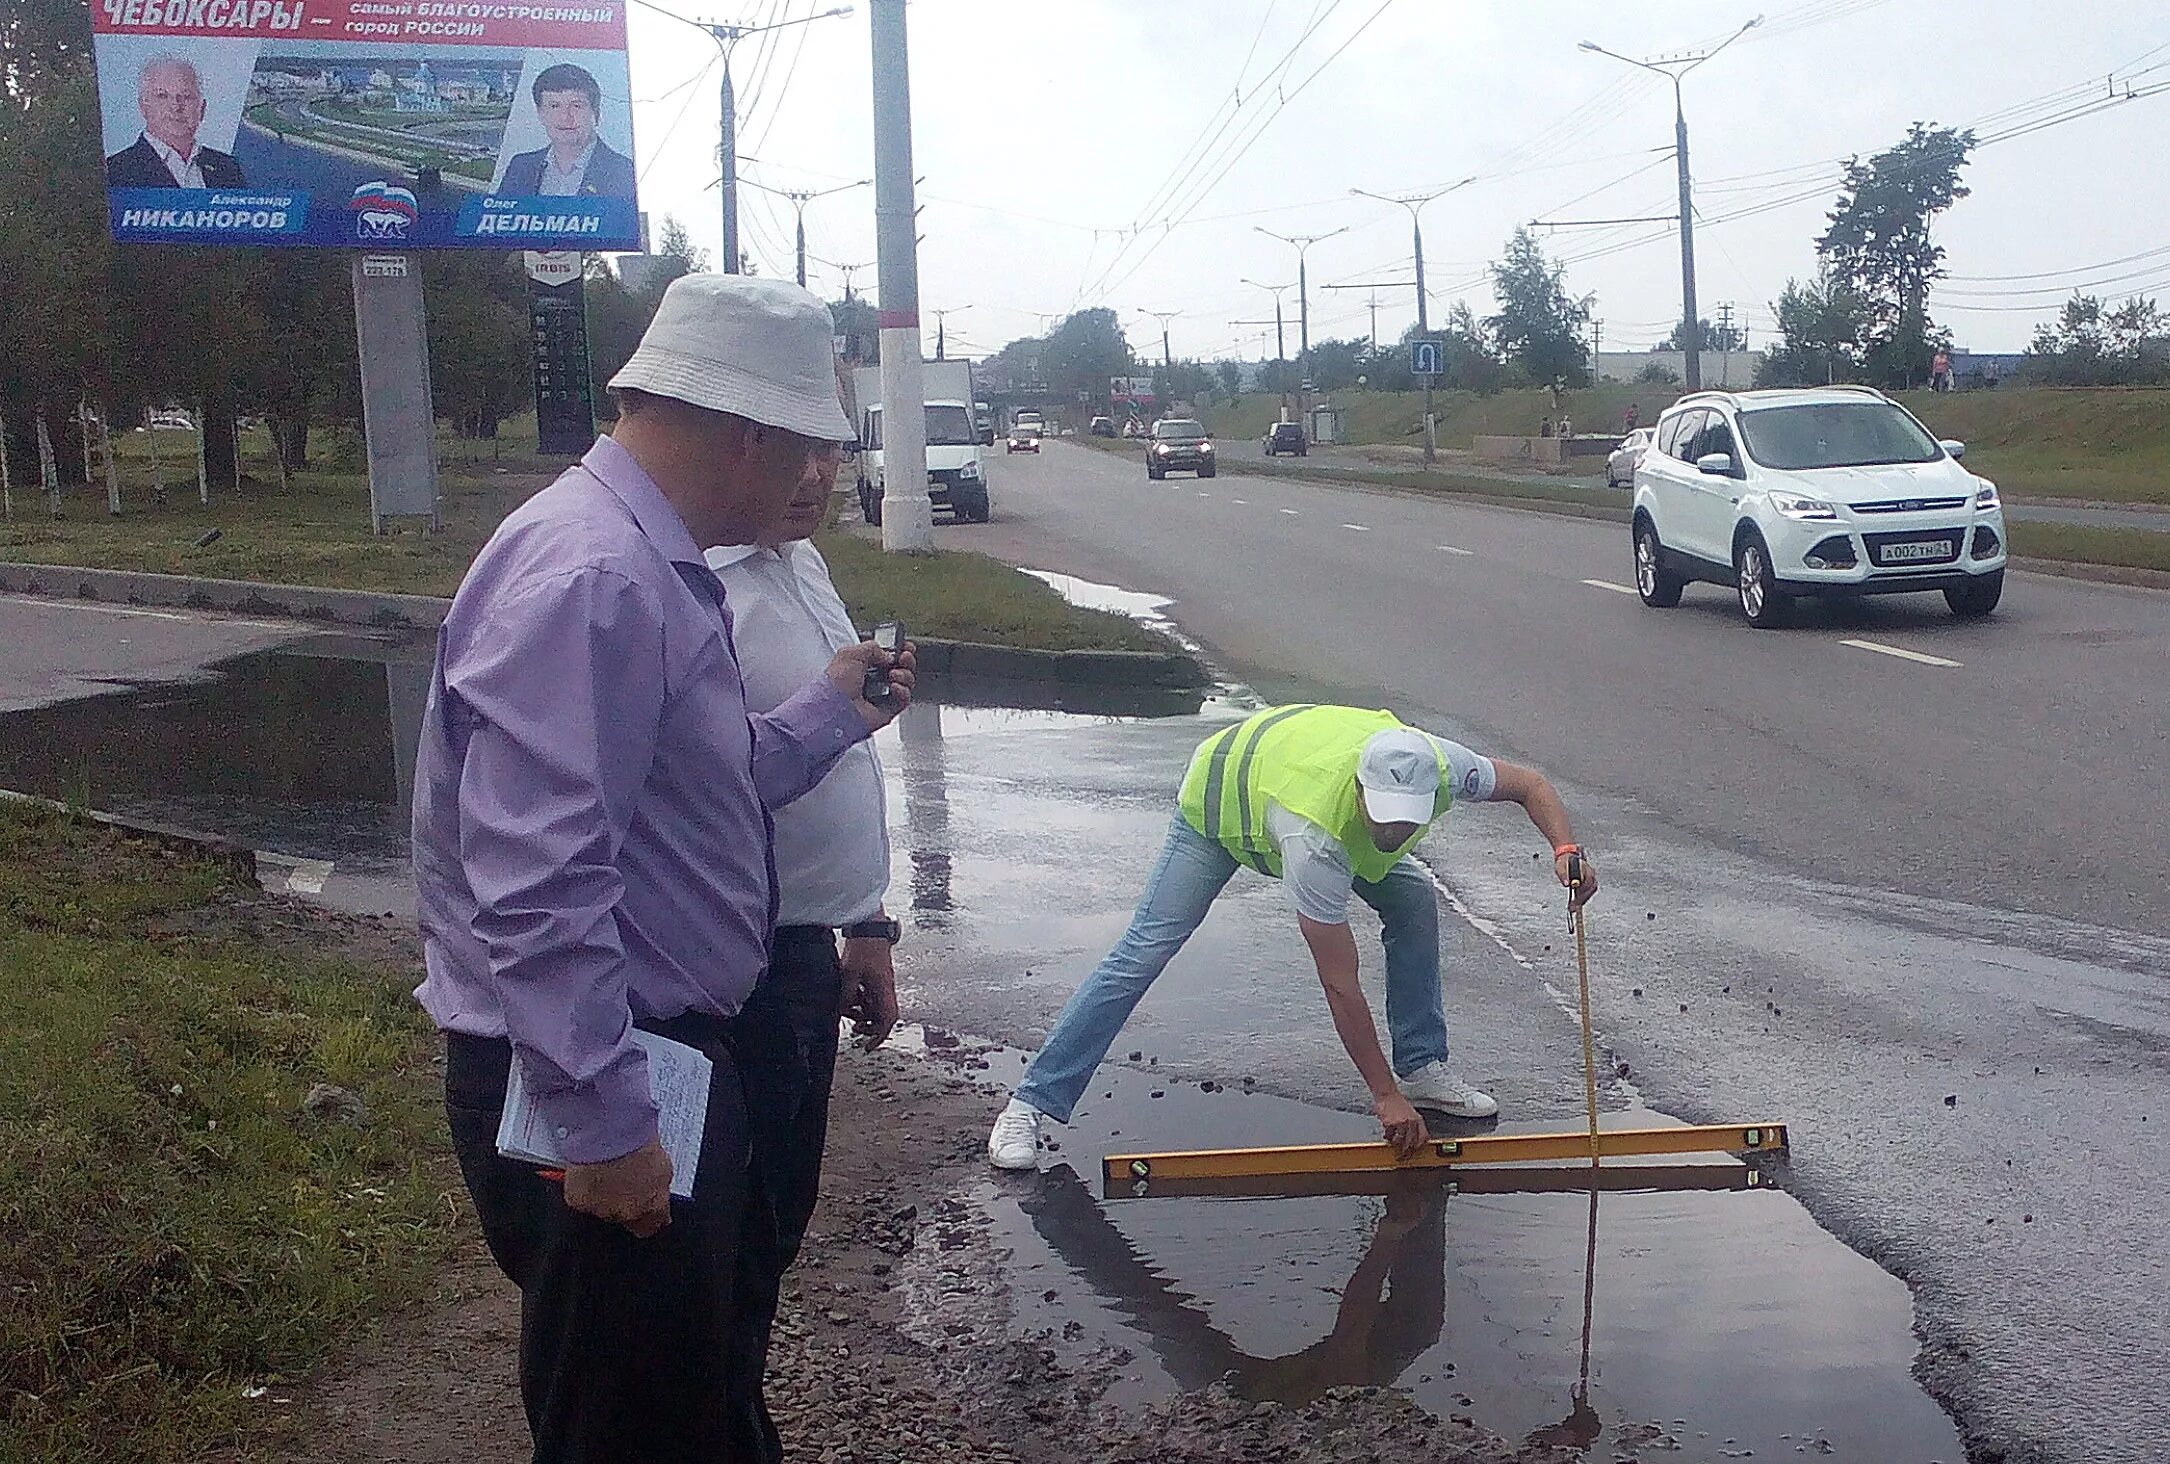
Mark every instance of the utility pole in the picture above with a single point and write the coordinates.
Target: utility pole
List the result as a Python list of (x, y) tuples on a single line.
[(1673, 68), (1167, 358), (1725, 343), (1414, 202), (1302, 244), (726, 35), (800, 197), (941, 330), (907, 515), (847, 271), (1280, 342)]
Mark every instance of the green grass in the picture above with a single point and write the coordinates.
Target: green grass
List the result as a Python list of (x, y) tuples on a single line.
[(958, 595), (2086, 544), (173, 1228), (2108, 444)]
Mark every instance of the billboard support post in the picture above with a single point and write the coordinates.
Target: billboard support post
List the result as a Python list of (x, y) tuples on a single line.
[(398, 423)]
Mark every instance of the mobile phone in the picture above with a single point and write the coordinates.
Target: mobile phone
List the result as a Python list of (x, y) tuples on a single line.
[(889, 639)]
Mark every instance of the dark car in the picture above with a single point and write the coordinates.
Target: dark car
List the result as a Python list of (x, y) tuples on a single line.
[(1179, 444), (1102, 427), (1287, 437)]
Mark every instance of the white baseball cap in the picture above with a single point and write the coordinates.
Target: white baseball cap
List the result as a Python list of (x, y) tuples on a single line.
[(756, 348), (1399, 773)]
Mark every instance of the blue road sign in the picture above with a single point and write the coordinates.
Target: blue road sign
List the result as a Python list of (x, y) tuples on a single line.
[(1426, 358)]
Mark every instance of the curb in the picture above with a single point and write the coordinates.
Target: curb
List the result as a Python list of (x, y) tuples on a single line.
[(367, 608), (1161, 670), (2101, 574), (191, 841)]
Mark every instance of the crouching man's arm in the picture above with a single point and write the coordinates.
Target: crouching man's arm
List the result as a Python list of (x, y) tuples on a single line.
[(1334, 950)]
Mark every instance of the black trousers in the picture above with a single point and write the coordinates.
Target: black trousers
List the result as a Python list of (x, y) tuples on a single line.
[(629, 1348), (784, 1042)]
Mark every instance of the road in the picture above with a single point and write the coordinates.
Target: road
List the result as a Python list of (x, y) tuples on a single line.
[(1888, 876)]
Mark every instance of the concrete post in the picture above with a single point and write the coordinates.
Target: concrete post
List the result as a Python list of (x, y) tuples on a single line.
[(907, 514)]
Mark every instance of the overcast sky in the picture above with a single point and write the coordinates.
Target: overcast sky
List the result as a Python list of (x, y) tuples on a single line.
[(1054, 138)]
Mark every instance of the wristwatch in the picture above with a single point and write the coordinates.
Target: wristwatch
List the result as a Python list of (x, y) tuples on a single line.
[(887, 927)]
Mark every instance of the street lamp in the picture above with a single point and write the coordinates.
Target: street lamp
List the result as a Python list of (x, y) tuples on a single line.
[(1167, 358), (726, 36), (1414, 202), (1302, 244), (1280, 347), (800, 197), (1673, 68)]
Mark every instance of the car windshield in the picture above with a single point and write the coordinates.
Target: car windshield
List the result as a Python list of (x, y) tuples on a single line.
[(1178, 431), (949, 427), (1287, 429), (1835, 435)]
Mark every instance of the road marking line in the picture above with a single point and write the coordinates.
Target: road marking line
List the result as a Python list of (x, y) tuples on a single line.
[(1290, 512), (1360, 528), (1239, 500), (1203, 494), (1450, 549), (1900, 651), (185, 617), (1609, 585)]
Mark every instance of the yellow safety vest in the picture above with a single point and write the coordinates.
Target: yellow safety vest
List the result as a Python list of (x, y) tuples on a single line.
[(1303, 758)]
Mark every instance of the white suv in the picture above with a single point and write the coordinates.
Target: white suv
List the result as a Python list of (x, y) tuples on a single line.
[(1833, 491)]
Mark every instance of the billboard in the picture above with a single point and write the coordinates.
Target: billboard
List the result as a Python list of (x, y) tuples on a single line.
[(367, 124), (1132, 390)]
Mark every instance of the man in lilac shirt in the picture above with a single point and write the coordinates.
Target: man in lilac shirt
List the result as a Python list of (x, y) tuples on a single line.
[(591, 845)]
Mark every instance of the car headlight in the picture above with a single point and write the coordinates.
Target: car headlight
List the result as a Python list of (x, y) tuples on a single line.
[(1794, 506), (1985, 496), (1205, 447), (1162, 448), (969, 470)]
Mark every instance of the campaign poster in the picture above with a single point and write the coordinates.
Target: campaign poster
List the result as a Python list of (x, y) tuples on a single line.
[(367, 124)]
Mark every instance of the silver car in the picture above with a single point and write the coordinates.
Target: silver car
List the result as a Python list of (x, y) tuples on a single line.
[(1620, 466)]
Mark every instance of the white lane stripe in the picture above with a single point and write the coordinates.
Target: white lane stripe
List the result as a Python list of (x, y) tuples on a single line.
[(1609, 585), (1360, 528), (1203, 494), (1450, 549), (1900, 651), (1239, 500), (1290, 512)]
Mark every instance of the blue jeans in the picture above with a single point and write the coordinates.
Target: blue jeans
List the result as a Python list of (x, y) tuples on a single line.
[(1191, 873)]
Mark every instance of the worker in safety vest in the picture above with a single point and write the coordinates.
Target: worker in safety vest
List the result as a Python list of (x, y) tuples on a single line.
[(1330, 801)]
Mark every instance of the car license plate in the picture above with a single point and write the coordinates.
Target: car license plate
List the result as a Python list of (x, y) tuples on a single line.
[(1916, 551)]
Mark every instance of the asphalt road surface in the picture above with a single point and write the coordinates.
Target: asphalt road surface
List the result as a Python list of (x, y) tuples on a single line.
[(1890, 877)]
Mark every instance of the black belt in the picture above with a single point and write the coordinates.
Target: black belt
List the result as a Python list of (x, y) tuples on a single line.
[(805, 933)]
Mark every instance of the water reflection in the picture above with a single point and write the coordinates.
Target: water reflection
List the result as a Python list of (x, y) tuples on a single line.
[(926, 810)]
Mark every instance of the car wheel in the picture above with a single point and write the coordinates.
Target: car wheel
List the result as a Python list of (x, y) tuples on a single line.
[(1153, 473), (1977, 597), (1659, 587), (1763, 604), (1207, 472)]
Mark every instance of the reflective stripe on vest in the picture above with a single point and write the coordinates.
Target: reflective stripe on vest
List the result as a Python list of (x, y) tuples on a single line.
[(1310, 770)]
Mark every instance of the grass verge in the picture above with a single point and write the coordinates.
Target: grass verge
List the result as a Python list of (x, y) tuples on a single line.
[(2086, 544), (174, 1228), (958, 595)]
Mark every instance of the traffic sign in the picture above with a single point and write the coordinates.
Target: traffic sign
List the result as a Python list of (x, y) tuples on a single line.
[(1426, 358)]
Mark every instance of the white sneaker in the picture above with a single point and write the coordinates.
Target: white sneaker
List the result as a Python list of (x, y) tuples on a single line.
[(1015, 1140), (1432, 1086)]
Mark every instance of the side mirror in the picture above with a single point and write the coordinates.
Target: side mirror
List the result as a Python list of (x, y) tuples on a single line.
[(1717, 464), (1952, 448)]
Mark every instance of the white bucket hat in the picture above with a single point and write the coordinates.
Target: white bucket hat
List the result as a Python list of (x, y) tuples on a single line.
[(758, 349)]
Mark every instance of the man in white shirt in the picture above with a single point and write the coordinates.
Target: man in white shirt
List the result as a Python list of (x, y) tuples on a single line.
[(831, 851), (1332, 801)]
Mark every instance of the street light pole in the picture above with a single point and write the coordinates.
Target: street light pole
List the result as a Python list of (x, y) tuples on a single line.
[(1280, 343), (1167, 358), (725, 36), (1414, 202), (941, 330), (1302, 243), (1673, 68)]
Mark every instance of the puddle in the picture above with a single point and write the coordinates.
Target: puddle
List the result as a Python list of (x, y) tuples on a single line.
[(308, 750), (1686, 1310)]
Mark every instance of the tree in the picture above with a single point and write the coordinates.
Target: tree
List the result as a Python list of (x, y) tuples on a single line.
[(1879, 247), (675, 243), (1084, 351), (1710, 338), (2091, 344), (1821, 324), (1231, 377), (479, 343), (1540, 329), (1336, 364)]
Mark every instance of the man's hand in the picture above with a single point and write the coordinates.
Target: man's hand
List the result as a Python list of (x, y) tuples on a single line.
[(633, 1190), (848, 671), (870, 990), (1588, 887), (1404, 1126)]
